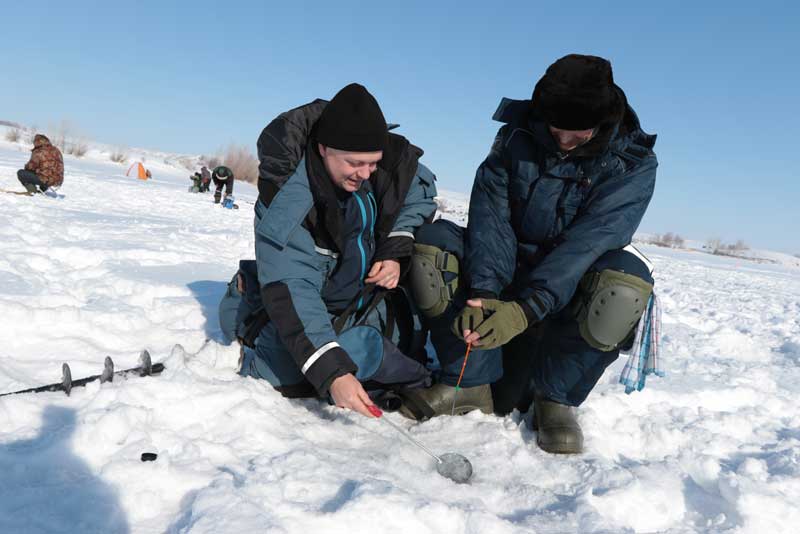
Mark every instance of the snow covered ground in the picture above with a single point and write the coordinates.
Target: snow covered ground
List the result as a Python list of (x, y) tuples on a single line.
[(119, 265), (752, 255)]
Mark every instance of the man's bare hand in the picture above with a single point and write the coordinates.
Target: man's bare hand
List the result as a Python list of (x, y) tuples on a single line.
[(384, 273), (347, 392)]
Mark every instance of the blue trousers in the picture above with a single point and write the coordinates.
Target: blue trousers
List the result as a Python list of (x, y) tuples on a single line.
[(272, 361), (550, 358)]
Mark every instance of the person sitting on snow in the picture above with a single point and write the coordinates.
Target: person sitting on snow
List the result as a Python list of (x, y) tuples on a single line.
[(197, 182), (553, 291), (45, 169), (222, 177), (339, 200)]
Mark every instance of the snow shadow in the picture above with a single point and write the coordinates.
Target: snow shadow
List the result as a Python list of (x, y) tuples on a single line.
[(342, 497), (709, 507), (185, 519), (208, 293), (562, 505), (791, 351), (44, 487)]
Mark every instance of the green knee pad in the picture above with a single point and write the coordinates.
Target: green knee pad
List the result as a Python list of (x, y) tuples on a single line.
[(610, 305), (433, 277)]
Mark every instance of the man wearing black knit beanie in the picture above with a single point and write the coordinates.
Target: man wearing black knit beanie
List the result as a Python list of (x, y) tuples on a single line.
[(554, 292), (339, 201)]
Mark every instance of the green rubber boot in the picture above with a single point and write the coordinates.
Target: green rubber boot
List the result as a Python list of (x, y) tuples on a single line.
[(422, 404), (558, 430)]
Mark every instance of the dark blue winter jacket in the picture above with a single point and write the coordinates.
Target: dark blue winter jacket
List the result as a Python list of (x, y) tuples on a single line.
[(315, 244), (538, 219)]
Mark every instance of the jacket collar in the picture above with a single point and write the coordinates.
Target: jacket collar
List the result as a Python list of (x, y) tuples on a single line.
[(518, 114)]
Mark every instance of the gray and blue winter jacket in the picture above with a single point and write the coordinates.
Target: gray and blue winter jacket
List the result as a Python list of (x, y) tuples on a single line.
[(315, 243), (538, 219)]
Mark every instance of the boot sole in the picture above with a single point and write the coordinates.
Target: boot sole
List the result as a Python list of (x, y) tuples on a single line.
[(561, 448), (557, 448)]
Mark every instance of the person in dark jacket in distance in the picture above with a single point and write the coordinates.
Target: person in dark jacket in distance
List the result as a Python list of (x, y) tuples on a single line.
[(552, 210), (339, 201), (222, 177)]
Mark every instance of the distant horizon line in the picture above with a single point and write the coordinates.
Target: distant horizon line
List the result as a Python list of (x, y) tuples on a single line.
[(17, 125)]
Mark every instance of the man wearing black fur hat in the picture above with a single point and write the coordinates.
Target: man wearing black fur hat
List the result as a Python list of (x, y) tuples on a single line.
[(340, 198), (548, 292)]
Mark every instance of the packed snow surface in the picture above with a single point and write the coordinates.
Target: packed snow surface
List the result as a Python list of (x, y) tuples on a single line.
[(119, 265)]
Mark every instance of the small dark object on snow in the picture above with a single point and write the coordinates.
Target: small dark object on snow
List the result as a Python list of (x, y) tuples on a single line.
[(149, 456), (455, 467)]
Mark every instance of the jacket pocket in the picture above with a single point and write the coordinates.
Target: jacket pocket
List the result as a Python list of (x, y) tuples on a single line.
[(569, 206), (540, 217)]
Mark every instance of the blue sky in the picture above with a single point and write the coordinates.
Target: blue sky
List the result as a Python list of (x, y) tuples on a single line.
[(717, 81)]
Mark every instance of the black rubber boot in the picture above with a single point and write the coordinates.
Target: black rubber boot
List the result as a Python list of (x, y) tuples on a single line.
[(217, 197), (558, 430), (422, 404)]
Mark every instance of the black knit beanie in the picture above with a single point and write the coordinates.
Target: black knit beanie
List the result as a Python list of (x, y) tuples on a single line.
[(353, 121), (576, 93)]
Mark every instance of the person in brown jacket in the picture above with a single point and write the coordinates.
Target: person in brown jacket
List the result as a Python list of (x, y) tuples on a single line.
[(45, 168)]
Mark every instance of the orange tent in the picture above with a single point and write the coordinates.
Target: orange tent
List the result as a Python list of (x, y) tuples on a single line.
[(138, 170)]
